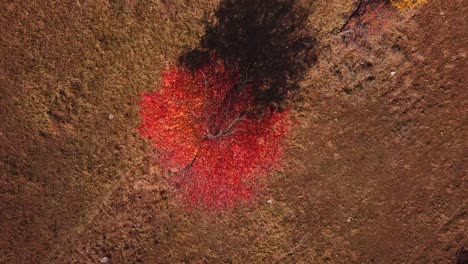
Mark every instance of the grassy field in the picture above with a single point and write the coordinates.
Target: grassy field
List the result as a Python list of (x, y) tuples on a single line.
[(375, 172)]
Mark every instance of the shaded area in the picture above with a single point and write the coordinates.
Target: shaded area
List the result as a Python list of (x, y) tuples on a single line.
[(269, 42), (462, 256)]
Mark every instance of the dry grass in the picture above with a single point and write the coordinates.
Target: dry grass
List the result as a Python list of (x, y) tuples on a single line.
[(375, 171)]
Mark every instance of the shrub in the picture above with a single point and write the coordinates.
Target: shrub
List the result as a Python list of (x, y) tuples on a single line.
[(203, 127), (404, 5), (371, 18)]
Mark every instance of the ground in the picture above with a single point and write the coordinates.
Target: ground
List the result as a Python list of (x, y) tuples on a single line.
[(374, 173)]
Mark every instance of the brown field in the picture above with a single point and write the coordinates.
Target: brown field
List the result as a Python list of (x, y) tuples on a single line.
[(375, 172)]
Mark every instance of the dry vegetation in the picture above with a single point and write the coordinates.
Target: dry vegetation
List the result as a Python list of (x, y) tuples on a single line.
[(376, 172), (404, 5)]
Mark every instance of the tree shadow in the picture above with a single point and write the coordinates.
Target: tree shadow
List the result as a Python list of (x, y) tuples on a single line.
[(462, 256), (269, 42)]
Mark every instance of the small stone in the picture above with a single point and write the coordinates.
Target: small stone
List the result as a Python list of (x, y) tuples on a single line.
[(349, 219), (105, 260), (392, 73), (270, 201), (111, 116)]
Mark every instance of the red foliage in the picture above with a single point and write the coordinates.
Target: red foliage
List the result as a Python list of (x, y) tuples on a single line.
[(203, 127)]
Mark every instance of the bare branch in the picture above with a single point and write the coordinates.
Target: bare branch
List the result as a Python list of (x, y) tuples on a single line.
[(185, 171), (228, 131), (236, 120), (204, 77)]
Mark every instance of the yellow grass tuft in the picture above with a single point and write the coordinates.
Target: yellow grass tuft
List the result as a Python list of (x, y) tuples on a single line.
[(404, 5)]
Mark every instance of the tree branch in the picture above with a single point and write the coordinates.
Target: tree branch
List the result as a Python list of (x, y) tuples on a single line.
[(228, 131)]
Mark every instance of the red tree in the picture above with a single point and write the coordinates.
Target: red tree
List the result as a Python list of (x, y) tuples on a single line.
[(203, 125)]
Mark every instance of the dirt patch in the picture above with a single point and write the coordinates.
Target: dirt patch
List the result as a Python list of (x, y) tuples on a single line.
[(375, 174)]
